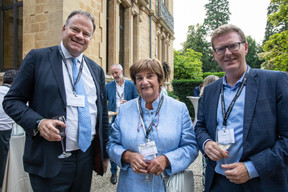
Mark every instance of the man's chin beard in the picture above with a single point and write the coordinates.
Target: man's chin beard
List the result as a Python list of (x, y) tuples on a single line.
[(119, 79)]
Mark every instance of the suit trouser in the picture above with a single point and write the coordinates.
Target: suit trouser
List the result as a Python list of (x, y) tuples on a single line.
[(222, 184), (4, 148), (75, 175), (113, 167)]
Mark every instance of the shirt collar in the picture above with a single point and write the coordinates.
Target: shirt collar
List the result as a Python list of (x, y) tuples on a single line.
[(154, 104), (67, 55), (238, 83), (6, 85), (119, 85)]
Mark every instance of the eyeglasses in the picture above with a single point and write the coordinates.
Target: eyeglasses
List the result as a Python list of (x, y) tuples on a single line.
[(233, 47)]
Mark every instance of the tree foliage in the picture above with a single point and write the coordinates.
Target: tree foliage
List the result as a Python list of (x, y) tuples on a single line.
[(217, 14), (252, 58), (270, 29), (276, 48), (187, 65), (196, 40), (276, 52)]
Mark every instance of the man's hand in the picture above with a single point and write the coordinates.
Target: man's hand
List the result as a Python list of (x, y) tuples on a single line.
[(48, 130), (123, 101), (214, 152), (236, 172)]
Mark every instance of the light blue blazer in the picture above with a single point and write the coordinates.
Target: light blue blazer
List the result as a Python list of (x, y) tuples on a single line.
[(174, 137)]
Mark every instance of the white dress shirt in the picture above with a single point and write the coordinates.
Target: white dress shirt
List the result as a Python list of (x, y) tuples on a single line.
[(6, 123), (72, 129), (119, 95)]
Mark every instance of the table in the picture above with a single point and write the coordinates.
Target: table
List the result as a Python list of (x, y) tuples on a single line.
[(15, 178), (194, 101)]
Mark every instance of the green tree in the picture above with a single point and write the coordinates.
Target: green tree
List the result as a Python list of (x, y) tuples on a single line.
[(187, 65), (196, 40), (276, 48), (276, 52), (252, 57), (270, 29), (217, 14)]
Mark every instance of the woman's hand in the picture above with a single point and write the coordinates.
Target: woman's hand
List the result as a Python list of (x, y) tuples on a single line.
[(158, 165), (136, 161)]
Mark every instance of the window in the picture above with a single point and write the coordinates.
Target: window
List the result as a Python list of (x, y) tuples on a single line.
[(121, 35), (11, 27)]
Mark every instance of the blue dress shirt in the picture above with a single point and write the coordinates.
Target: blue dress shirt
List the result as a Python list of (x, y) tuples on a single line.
[(235, 121)]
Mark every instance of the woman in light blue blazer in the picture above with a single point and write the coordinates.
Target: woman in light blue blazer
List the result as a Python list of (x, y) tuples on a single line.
[(151, 134)]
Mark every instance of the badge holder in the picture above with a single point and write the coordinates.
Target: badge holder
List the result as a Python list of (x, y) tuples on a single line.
[(149, 151)]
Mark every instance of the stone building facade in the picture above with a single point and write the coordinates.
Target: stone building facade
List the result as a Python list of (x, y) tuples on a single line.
[(126, 30)]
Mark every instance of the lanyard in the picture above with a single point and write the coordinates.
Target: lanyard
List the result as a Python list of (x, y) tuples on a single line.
[(141, 115), (70, 76), (117, 91), (120, 95), (227, 114)]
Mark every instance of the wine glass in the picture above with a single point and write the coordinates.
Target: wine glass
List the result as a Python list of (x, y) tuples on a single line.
[(62, 134), (147, 159), (223, 144)]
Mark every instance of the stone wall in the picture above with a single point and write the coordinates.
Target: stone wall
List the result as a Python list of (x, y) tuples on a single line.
[(43, 21)]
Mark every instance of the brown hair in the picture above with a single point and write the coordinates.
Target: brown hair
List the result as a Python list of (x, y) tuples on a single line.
[(151, 65), (227, 28)]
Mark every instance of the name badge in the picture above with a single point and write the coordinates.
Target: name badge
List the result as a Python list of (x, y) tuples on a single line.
[(226, 136), (148, 149), (76, 100)]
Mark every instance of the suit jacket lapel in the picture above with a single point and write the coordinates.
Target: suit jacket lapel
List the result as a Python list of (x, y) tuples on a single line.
[(214, 105), (56, 65), (250, 101), (126, 89), (114, 92), (92, 70)]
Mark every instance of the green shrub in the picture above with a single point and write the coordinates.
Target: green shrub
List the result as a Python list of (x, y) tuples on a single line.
[(183, 88), (219, 74), (173, 95)]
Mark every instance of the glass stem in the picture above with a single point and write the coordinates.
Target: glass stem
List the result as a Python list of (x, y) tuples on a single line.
[(62, 144)]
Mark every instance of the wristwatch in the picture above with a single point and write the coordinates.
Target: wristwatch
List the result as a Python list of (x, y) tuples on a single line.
[(36, 129)]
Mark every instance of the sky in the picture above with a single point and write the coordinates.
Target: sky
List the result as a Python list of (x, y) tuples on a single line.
[(249, 15)]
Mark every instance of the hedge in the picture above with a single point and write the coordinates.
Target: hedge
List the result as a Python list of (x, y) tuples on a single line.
[(219, 74), (183, 88)]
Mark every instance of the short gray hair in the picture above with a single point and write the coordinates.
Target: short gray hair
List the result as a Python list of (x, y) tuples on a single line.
[(117, 65)]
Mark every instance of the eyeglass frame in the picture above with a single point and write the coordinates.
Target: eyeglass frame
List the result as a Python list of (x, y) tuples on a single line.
[(227, 46)]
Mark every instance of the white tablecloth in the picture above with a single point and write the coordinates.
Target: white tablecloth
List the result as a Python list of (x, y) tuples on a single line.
[(194, 101), (15, 178)]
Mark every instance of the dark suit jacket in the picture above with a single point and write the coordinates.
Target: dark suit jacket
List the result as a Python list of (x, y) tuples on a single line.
[(40, 83), (130, 92), (265, 130)]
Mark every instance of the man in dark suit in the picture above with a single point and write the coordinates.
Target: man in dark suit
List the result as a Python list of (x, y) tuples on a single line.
[(61, 81), (118, 92), (246, 111)]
